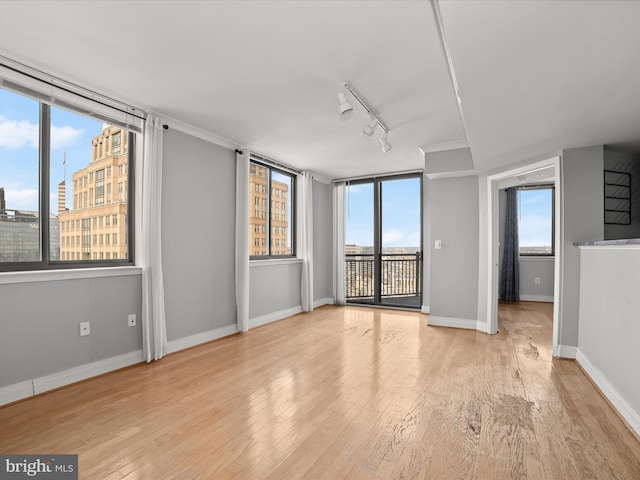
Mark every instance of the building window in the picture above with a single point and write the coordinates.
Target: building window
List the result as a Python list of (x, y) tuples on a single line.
[(268, 216), (115, 144), (100, 187), (536, 220), (45, 194)]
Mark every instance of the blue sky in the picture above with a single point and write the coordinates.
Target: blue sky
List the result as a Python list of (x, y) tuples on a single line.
[(400, 213), (19, 132), (534, 217)]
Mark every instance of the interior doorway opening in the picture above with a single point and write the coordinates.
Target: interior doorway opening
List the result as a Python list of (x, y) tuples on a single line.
[(548, 173)]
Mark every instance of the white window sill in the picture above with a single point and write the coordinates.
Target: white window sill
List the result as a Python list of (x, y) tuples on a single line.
[(538, 258), (274, 261), (7, 278)]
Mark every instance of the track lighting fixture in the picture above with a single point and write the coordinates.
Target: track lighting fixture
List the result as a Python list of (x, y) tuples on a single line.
[(345, 107), (384, 142), (368, 129)]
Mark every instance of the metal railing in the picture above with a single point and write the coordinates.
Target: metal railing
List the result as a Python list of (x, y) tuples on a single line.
[(400, 275)]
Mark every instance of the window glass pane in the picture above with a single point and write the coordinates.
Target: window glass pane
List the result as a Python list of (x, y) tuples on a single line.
[(280, 214), (19, 174), (82, 151), (535, 221), (257, 210)]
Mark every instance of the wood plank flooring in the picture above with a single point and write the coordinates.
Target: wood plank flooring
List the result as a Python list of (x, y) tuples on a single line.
[(342, 392)]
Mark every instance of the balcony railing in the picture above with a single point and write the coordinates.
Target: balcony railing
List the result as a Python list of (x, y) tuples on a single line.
[(400, 275)]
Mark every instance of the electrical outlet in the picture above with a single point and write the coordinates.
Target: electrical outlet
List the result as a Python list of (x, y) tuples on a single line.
[(85, 329), (536, 280), (131, 320)]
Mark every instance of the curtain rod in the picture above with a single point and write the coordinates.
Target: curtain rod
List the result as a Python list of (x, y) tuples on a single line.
[(71, 88), (274, 163), (379, 175)]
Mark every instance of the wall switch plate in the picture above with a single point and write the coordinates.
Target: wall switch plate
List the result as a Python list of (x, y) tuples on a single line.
[(85, 329), (536, 280), (438, 244), (131, 320)]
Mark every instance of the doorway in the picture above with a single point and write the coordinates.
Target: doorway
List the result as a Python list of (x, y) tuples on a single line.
[(494, 183), (383, 230)]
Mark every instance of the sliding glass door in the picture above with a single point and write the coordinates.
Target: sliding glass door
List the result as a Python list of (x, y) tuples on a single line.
[(383, 251)]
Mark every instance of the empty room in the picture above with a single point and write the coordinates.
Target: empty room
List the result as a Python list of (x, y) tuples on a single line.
[(319, 239)]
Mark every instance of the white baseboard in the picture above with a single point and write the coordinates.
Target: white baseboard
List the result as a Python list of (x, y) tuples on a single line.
[(82, 372), (274, 317), (482, 327), (425, 309), (567, 351), (452, 322), (199, 338), (26, 389), (536, 298), (323, 301), (624, 408), (15, 392)]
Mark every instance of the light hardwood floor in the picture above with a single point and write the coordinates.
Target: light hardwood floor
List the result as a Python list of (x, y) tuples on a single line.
[(349, 392)]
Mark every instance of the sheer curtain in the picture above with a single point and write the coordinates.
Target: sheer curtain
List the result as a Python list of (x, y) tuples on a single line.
[(305, 238), (510, 275), (339, 293), (149, 252), (242, 240)]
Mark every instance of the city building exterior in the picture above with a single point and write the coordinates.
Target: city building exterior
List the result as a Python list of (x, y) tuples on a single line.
[(20, 234), (258, 197), (95, 228)]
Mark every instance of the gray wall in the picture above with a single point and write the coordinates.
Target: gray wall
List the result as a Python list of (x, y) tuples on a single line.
[(40, 328), (446, 161), (542, 268), (322, 241), (583, 221), (454, 268), (198, 235), (530, 267), (274, 288), (623, 161)]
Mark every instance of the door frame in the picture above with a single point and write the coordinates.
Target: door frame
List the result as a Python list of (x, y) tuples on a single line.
[(493, 217), (376, 181)]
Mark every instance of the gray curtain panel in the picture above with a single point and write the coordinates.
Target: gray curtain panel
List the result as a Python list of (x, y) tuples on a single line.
[(510, 275)]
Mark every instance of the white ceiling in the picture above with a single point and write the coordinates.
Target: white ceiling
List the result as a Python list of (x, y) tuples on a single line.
[(534, 77)]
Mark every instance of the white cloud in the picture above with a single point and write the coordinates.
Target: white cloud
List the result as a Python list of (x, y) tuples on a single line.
[(16, 134), (26, 199), (63, 137)]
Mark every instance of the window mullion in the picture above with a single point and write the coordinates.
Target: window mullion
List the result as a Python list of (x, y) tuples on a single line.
[(45, 164), (268, 219)]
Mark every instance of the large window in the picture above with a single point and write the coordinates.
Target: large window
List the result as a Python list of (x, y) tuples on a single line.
[(52, 186), (271, 212), (535, 220)]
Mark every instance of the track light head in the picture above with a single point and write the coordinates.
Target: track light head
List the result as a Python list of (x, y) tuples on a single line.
[(384, 143), (369, 129), (344, 106)]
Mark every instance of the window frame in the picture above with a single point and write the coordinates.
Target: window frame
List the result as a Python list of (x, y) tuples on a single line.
[(542, 186), (44, 203), (269, 199)]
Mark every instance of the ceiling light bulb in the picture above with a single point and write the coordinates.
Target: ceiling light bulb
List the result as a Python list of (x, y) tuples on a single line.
[(384, 142), (344, 106), (368, 129)]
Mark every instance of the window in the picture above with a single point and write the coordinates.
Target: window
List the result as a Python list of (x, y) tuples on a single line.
[(100, 187), (270, 219), (536, 220), (115, 144), (53, 183)]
